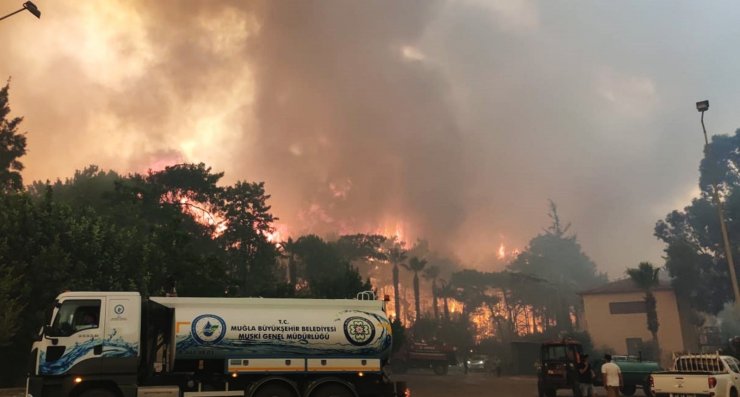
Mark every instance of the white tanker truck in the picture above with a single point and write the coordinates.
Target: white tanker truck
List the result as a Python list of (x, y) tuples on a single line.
[(116, 344)]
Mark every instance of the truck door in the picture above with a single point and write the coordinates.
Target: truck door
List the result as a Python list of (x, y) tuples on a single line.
[(76, 335), (122, 332)]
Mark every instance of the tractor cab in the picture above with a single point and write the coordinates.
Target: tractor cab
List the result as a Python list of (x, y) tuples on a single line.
[(558, 366)]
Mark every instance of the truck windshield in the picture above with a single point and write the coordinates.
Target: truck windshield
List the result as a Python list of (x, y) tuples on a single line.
[(75, 315), (568, 352), (555, 353)]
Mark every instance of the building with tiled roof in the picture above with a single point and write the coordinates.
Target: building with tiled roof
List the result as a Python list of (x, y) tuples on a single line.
[(614, 314)]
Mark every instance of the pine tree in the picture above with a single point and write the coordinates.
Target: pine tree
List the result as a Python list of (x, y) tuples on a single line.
[(12, 146)]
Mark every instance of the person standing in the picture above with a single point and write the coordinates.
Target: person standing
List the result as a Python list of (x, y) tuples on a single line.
[(585, 377), (612, 377)]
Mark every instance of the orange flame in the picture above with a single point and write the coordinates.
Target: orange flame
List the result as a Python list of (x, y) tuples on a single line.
[(278, 235)]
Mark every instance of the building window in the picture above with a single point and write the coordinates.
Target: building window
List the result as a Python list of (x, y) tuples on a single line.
[(627, 307), (634, 346)]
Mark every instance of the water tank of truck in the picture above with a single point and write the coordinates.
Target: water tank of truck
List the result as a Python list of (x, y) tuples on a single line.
[(256, 327)]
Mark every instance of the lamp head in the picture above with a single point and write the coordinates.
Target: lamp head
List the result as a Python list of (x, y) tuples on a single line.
[(32, 9), (702, 106)]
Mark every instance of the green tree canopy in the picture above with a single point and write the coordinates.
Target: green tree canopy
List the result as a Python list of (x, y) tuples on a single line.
[(328, 274), (556, 258), (695, 256), (12, 145)]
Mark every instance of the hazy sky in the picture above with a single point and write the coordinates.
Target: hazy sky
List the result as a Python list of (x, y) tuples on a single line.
[(452, 120)]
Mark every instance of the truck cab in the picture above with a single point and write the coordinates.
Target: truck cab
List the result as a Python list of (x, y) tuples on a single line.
[(91, 338), (558, 363)]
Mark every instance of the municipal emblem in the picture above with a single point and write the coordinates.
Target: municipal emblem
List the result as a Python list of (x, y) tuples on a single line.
[(208, 329), (359, 331)]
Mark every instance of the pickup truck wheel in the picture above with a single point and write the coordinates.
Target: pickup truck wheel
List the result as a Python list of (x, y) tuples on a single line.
[(440, 369), (733, 392), (628, 390), (551, 392)]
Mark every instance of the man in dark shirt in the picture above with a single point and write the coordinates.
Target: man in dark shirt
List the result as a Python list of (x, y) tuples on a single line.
[(585, 377)]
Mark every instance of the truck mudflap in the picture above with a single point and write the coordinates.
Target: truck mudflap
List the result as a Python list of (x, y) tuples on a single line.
[(33, 388)]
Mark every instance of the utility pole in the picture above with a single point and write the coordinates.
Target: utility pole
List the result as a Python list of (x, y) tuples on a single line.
[(702, 107)]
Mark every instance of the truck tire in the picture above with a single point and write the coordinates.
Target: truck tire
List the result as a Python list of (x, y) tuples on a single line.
[(98, 392), (274, 389), (440, 368), (733, 392), (628, 390), (332, 390), (551, 392), (646, 389)]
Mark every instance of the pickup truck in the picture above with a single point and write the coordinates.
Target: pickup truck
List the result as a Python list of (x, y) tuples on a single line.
[(697, 375)]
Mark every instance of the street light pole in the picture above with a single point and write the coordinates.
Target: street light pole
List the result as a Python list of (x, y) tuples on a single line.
[(26, 6), (702, 107)]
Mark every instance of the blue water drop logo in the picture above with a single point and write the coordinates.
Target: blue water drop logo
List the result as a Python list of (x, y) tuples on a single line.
[(208, 329)]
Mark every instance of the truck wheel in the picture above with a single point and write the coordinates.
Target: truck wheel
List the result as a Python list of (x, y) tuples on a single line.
[(274, 389), (646, 389), (733, 392), (333, 390), (98, 393), (628, 390), (440, 369), (551, 392)]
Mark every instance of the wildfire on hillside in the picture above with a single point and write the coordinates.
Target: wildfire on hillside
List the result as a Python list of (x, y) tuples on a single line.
[(483, 320)]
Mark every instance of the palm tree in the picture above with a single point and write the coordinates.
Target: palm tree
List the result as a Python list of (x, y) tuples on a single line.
[(396, 256), (289, 248), (416, 265), (446, 291), (431, 273), (645, 276)]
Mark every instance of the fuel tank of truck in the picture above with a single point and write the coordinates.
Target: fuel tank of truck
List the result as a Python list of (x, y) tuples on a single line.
[(215, 328)]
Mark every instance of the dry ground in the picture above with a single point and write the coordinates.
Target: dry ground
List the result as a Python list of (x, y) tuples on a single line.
[(426, 384)]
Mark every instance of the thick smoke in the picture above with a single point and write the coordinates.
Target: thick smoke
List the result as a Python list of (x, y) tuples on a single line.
[(320, 99), (450, 120), (362, 132)]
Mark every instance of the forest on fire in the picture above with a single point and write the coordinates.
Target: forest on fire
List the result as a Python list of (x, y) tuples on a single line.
[(180, 230)]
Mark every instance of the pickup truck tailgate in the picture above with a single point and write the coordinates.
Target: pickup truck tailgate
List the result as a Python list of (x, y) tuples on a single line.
[(681, 384)]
